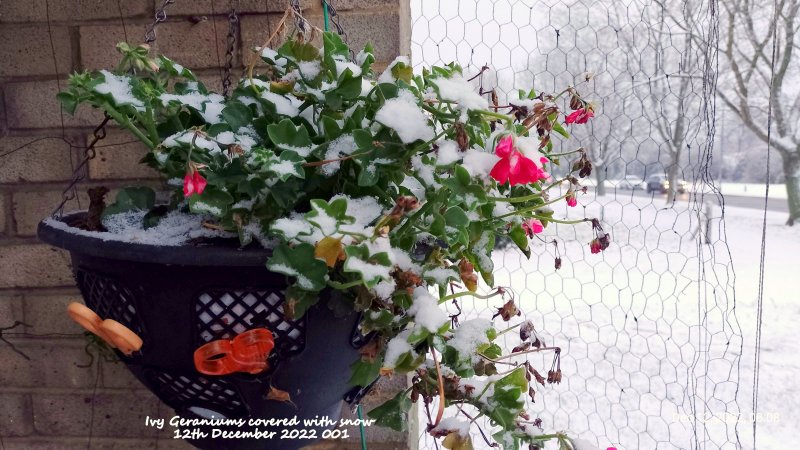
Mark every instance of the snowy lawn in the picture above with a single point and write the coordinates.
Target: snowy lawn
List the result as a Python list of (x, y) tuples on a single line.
[(651, 346)]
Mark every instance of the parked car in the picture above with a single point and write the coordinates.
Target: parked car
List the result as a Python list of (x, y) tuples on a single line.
[(631, 182), (660, 184)]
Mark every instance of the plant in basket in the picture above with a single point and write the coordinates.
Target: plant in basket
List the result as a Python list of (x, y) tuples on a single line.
[(373, 196)]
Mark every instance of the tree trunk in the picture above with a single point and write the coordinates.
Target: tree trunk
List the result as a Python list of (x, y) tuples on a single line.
[(672, 177), (791, 170), (600, 176)]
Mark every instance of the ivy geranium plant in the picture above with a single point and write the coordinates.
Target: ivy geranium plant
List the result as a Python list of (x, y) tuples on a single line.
[(389, 190)]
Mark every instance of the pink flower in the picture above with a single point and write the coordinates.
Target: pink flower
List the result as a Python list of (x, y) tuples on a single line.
[(532, 226), (572, 201), (193, 183), (514, 167), (580, 116), (595, 246)]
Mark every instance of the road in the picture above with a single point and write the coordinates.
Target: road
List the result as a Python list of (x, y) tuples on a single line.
[(775, 204)]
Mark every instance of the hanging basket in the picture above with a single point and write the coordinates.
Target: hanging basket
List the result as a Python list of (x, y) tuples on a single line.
[(180, 298)]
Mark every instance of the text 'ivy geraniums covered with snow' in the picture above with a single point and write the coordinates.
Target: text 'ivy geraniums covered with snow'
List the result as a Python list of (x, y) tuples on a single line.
[(390, 190)]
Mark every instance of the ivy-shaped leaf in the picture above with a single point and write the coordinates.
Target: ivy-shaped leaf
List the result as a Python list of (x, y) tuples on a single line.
[(394, 413), (132, 199), (364, 372), (329, 216), (237, 115), (299, 262), (288, 136), (372, 268), (212, 201)]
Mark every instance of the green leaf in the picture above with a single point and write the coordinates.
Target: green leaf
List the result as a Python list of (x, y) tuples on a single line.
[(372, 268), (457, 223), (402, 71), (507, 397), (286, 135), (364, 372), (299, 262), (394, 413), (560, 129), (329, 216), (237, 115), (519, 237), (212, 201), (349, 88), (140, 198), (369, 58), (288, 165), (299, 50), (298, 301), (68, 101)]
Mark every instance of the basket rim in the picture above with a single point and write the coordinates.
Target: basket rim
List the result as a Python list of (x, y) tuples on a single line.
[(220, 252)]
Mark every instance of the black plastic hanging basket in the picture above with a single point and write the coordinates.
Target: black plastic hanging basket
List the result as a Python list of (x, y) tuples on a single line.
[(179, 298)]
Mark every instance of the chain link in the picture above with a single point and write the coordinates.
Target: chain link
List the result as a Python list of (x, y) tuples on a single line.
[(233, 26), (160, 16), (299, 21), (334, 16), (79, 174)]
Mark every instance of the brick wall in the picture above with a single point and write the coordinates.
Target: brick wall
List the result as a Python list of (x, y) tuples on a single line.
[(50, 401)]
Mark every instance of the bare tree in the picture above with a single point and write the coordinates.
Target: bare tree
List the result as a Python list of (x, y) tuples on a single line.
[(752, 81), (665, 63)]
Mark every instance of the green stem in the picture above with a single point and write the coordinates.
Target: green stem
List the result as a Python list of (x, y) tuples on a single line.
[(496, 115), (125, 122), (526, 210), (468, 293), (340, 286)]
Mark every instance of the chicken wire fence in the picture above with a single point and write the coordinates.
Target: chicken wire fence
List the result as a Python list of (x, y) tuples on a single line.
[(651, 346)]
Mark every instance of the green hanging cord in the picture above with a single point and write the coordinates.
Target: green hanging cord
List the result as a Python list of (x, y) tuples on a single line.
[(325, 13), (361, 426)]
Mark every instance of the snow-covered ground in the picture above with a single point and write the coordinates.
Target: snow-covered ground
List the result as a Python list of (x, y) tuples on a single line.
[(657, 330), (737, 189), (753, 189)]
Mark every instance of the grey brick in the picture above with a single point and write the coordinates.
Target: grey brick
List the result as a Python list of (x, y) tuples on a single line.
[(11, 309), (16, 416), (33, 104), (51, 364), (46, 313), (69, 10), (29, 208), (34, 265), (218, 7), (34, 159), (27, 50), (118, 158), (115, 415)]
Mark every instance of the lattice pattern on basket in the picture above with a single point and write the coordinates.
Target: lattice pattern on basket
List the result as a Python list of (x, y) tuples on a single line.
[(184, 391), (110, 299), (222, 314)]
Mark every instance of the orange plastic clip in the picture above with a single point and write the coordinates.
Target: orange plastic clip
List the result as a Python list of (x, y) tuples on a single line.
[(247, 352), (115, 334)]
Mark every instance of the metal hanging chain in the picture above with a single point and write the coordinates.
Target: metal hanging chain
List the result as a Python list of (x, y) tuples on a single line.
[(160, 16), (99, 133), (299, 21), (233, 26), (79, 174), (331, 12)]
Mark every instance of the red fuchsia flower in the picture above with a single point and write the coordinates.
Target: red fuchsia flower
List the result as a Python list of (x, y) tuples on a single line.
[(193, 182), (572, 201), (595, 246), (580, 116), (514, 167), (532, 226)]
